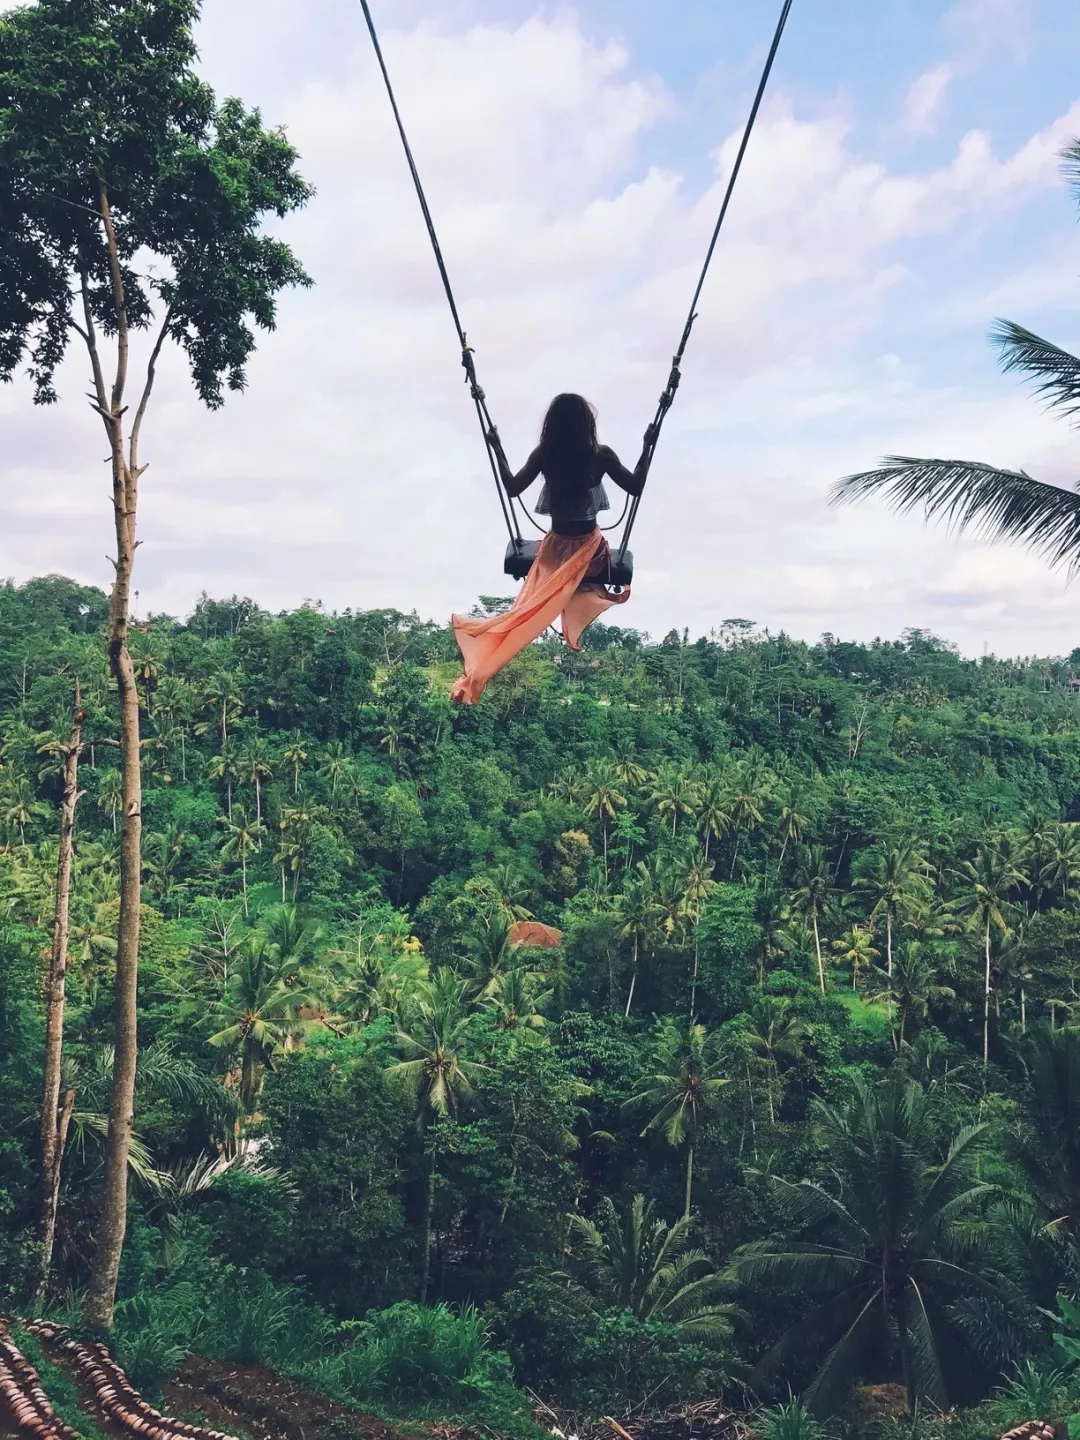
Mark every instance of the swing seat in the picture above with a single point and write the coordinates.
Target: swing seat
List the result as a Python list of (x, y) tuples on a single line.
[(520, 555)]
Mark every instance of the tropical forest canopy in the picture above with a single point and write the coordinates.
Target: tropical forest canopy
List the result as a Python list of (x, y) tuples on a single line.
[(789, 1098)]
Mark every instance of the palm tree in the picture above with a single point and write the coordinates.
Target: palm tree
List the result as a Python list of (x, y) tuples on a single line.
[(714, 813), (772, 1029), (512, 891), (603, 798), (19, 805), (439, 1071), (241, 840), (224, 696), (254, 765), (336, 761), (520, 999), (257, 1012), (1049, 1148), (771, 921), (912, 986), (110, 793), (792, 826), (291, 937), (673, 794), (999, 504), (294, 824), (567, 786), (881, 1246), (639, 917), (684, 1083), (815, 885), (146, 660), (747, 803), (163, 852), (294, 756), (988, 880), (627, 770), (697, 885), (490, 951), (163, 740), (175, 701), (893, 886), (225, 767), (634, 1261), (394, 734), (1060, 868), (857, 949)]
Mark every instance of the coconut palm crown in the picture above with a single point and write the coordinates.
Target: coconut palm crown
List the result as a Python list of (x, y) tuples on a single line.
[(996, 504)]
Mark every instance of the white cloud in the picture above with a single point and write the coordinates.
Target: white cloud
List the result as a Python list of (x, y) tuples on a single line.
[(925, 99), (351, 468)]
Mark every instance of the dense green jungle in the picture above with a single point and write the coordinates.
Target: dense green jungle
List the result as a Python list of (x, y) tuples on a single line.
[(784, 1102)]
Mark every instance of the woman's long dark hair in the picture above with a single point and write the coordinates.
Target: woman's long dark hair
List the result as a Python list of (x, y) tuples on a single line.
[(568, 446)]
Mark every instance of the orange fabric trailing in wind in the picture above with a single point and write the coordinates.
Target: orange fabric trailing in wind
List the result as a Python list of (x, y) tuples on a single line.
[(559, 583)]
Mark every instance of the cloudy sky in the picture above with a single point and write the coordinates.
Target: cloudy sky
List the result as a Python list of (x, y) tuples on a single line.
[(902, 189)]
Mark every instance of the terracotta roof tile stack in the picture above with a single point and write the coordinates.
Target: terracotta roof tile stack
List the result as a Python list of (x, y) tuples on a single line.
[(114, 1392), (23, 1398), (1036, 1430)]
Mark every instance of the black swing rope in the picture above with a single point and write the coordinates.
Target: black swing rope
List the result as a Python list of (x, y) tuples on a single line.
[(652, 434), (506, 502)]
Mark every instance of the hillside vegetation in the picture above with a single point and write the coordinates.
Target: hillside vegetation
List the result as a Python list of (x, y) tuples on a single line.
[(791, 1103)]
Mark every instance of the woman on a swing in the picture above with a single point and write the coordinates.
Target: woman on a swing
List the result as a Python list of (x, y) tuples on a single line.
[(567, 576)]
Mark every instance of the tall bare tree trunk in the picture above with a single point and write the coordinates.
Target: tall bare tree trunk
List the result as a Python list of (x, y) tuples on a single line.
[(888, 939), (52, 1121), (633, 981), (817, 950), (689, 1179), (697, 968), (112, 1217), (429, 1214), (986, 999)]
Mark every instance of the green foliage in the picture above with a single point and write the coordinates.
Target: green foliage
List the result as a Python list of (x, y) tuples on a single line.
[(791, 1421), (411, 1352), (99, 105), (155, 1332), (354, 1077)]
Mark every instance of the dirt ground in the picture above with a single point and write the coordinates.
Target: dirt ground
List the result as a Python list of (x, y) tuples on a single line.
[(250, 1401)]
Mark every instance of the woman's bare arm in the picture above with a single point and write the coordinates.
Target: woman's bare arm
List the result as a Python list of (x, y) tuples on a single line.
[(632, 481), (514, 484)]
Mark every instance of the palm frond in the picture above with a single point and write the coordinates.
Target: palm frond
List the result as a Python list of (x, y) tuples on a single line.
[(925, 1364), (87, 1124), (843, 1359), (995, 504), (1071, 163), (834, 1317), (815, 1204), (939, 1221), (711, 1326), (810, 1265), (946, 1272), (1055, 371)]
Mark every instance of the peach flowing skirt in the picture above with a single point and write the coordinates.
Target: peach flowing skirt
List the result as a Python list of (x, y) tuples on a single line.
[(566, 579)]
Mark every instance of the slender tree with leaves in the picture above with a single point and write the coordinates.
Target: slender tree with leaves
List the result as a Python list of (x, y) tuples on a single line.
[(441, 1072), (111, 148), (987, 882), (814, 887), (683, 1085)]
